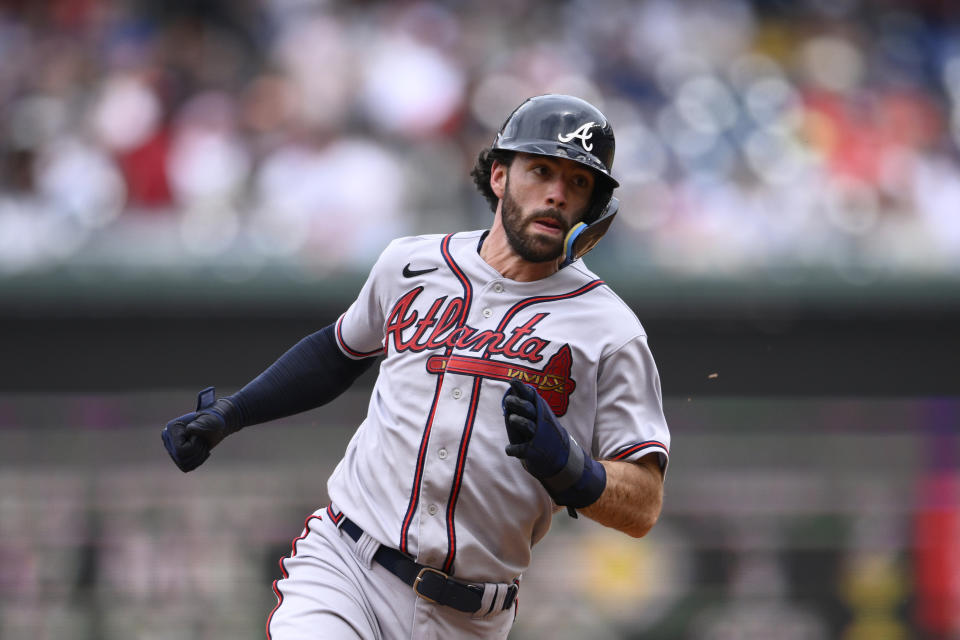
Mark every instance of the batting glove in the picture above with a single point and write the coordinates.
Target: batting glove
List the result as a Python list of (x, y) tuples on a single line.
[(189, 438), (547, 451)]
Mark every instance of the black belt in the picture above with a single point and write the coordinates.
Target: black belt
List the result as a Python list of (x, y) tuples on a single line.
[(429, 583)]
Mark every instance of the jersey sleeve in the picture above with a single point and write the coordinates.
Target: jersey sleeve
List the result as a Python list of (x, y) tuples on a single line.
[(630, 421), (360, 330)]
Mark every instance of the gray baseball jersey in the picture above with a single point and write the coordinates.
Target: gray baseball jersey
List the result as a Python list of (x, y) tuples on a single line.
[(426, 471)]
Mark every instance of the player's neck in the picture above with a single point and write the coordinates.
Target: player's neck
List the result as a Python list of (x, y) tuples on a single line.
[(497, 252)]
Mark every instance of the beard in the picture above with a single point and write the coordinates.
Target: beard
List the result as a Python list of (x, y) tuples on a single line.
[(530, 246)]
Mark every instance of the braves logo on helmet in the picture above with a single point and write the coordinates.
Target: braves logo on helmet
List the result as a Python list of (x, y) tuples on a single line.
[(582, 133), (554, 125)]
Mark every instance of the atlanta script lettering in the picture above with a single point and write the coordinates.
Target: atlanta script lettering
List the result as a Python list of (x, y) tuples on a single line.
[(441, 327)]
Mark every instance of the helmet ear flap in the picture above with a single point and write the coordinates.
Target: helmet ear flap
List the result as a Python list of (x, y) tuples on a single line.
[(600, 201), (583, 237)]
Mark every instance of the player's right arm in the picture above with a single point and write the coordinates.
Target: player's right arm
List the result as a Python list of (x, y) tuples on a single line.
[(310, 374)]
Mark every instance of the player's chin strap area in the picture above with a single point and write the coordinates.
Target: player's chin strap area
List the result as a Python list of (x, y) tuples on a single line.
[(433, 585), (583, 237)]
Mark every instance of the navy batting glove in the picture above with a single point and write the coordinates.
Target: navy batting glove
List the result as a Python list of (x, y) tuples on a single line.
[(569, 473), (189, 438)]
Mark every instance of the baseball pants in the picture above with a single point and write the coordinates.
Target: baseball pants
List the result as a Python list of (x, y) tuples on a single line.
[(331, 588)]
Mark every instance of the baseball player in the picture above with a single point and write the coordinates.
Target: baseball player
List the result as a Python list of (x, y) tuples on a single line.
[(513, 383)]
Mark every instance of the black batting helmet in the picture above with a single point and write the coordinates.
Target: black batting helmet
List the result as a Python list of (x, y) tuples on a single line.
[(563, 127), (567, 127)]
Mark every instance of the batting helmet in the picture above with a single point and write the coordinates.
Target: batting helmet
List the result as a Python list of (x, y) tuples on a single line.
[(566, 127), (563, 127)]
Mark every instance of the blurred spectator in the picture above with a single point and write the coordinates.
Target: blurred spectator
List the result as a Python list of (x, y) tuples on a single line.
[(334, 206), (126, 119), (780, 138)]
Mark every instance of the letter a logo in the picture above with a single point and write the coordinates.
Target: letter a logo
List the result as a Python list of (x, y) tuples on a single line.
[(582, 133)]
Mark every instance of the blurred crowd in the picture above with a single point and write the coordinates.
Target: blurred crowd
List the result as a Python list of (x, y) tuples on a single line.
[(754, 137)]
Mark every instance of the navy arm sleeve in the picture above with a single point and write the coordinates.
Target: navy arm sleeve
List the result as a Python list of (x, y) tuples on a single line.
[(310, 374)]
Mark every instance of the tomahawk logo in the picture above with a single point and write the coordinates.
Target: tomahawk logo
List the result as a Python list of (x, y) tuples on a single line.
[(582, 133), (553, 382)]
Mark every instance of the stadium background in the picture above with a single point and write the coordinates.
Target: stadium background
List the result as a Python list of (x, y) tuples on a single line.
[(187, 191)]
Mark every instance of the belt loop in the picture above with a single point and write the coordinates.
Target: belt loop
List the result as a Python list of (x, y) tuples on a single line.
[(494, 599), (365, 548)]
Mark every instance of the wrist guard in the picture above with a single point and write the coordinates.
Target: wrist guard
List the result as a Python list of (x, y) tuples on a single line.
[(547, 451)]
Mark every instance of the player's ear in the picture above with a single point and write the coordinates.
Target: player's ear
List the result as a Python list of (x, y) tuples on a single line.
[(498, 178)]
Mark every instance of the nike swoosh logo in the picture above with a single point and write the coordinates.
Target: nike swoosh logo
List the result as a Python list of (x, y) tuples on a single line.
[(411, 273)]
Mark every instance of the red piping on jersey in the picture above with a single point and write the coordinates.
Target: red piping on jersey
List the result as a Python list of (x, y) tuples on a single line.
[(424, 440), (418, 472), (563, 296), (354, 352), (334, 517), (471, 416), (283, 570), (634, 448), (458, 475)]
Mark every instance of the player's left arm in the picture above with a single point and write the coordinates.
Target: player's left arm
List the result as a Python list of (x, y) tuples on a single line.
[(630, 419), (625, 493), (632, 498), (622, 494)]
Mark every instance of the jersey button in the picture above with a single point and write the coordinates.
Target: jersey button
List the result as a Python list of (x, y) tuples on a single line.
[(442, 453), (487, 313), (456, 393), (498, 288), (432, 509)]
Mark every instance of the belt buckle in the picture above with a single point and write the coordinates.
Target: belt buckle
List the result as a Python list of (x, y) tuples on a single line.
[(419, 579)]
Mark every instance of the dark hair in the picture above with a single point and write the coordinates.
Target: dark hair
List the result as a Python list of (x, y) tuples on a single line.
[(481, 178), (481, 172)]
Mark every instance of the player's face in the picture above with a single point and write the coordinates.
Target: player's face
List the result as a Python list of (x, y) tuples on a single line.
[(543, 197)]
